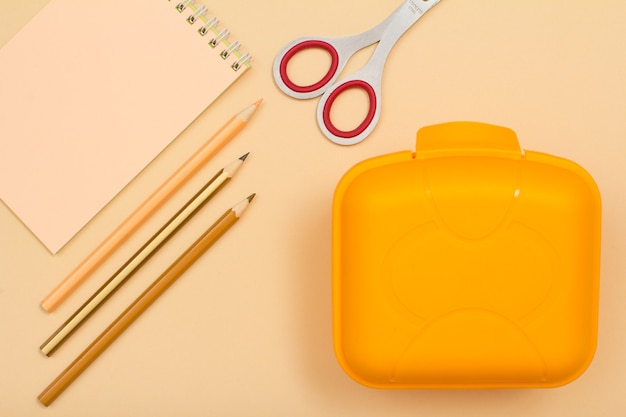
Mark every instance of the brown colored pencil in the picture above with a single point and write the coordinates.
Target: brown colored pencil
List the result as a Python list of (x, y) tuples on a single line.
[(144, 301)]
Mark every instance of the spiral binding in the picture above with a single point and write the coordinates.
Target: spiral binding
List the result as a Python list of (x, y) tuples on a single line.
[(210, 26), (199, 13)]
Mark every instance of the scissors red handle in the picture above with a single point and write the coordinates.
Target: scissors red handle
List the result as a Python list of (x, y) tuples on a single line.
[(356, 135), (301, 46), (339, 50), (368, 79)]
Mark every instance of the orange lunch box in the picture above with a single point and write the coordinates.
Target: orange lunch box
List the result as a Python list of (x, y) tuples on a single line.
[(467, 264)]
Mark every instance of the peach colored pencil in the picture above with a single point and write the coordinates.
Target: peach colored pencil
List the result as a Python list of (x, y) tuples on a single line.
[(142, 302), (148, 207)]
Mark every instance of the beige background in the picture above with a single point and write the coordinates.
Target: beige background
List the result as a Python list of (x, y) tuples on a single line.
[(247, 330)]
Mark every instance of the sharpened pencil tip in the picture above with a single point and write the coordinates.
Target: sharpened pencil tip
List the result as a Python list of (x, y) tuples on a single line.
[(243, 157), (251, 196), (247, 113)]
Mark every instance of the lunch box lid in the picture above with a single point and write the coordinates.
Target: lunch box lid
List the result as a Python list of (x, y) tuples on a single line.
[(469, 263)]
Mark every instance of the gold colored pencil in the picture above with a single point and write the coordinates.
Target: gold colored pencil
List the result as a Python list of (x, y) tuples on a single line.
[(141, 256), (148, 207), (158, 287)]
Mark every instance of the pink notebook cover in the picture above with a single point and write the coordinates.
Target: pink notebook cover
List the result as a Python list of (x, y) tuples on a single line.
[(90, 93)]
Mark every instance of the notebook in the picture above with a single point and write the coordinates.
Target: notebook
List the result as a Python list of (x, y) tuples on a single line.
[(91, 92)]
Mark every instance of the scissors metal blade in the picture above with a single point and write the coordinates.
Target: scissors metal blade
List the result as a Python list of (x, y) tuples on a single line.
[(399, 22)]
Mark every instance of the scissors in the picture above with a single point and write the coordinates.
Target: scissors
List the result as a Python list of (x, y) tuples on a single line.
[(368, 78)]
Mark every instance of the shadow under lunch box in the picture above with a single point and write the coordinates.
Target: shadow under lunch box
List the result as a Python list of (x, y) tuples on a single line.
[(469, 263)]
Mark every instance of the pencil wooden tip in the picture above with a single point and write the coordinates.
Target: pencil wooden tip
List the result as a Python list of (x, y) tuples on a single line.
[(243, 157), (251, 196), (247, 113), (258, 102)]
